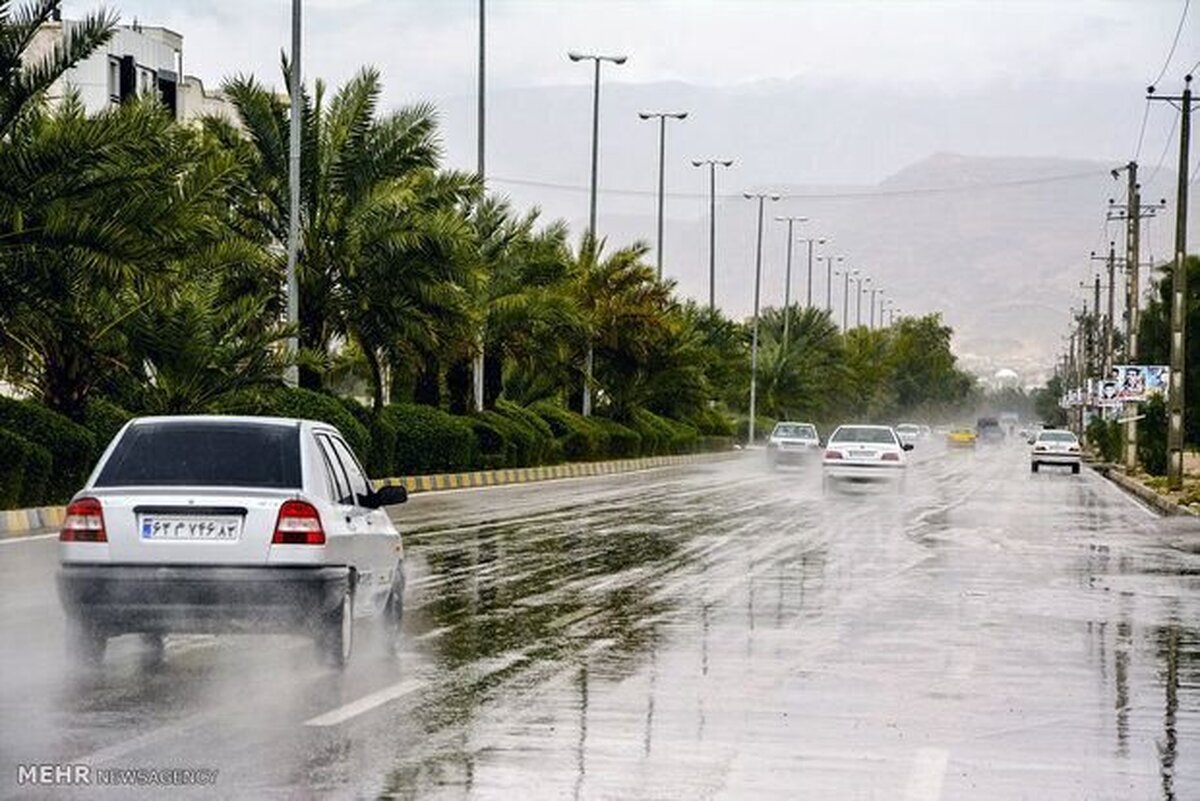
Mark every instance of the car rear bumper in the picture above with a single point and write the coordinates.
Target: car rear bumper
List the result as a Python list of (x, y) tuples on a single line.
[(791, 455), (1056, 458), (181, 598), (864, 472)]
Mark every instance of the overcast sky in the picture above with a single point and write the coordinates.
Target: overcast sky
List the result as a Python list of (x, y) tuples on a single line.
[(426, 48)]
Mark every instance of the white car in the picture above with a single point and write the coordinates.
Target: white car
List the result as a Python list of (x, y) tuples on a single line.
[(909, 433), (792, 443), (1055, 447), (228, 524), (865, 454)]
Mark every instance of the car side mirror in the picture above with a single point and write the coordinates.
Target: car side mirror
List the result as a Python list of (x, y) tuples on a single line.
[(384, 496), (908, 446), (1030, 441)]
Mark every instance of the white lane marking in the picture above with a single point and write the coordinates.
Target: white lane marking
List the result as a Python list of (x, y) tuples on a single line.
[(366, 703), (126, 747), (19, 538), (1133, 499), (928, 773)]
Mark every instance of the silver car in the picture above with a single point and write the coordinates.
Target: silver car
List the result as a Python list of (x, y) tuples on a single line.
[(792, 443), (1055, 447)]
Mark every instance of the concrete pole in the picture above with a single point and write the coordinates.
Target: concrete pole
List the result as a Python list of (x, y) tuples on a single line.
[(292, 374), (1179, 301)]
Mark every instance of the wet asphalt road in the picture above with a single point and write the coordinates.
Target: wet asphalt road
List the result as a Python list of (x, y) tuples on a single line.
[(704, 632)]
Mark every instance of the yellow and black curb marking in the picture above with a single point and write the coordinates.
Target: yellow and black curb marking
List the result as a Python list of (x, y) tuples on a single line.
[(22, 522)]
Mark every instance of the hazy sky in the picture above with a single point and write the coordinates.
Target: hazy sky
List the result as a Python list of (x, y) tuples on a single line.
[(427, 47)]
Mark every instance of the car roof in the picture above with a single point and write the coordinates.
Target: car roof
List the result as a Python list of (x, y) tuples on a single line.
[(865, 425), (792, 423), (230, 418)]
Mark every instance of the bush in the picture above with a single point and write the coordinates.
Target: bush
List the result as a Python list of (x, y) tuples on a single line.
[(762, 428), (381, 454), (492, 446), (429, 440), (1107, 438), (580, 438), (712, 423), (667, 436), (623, 442), (38, 464), (72, 447), (105, 420), (711, 444), (303, 404), (545, 449), (1152, 437), (14, 453)]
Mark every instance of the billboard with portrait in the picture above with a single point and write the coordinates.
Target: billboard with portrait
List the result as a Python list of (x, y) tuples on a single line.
[(1135, 382)]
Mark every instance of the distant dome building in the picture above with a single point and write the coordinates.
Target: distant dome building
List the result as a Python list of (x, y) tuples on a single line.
[(1005, 378)]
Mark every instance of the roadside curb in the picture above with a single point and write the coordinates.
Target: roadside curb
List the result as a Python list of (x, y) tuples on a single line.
[(16, 523), (1158, 503), (529, 475)]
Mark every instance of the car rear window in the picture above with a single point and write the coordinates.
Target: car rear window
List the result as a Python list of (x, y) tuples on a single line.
[(1056, 436), (878, 436), (796, 431), (205, 454)]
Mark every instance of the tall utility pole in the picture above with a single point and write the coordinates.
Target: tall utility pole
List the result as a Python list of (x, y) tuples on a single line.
[(712, 224), (829, 260), (787, 281), (291, 376), (873, 290), (847, 275), (590, 238), (808, 293), (858, 300), (481, 119), (761, 197), (1179, 292), (662, 117)]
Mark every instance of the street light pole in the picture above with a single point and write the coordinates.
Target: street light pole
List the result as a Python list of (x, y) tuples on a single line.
[(846, 276), (291, 375), (590, 238), (858, 301), (712, 224), (808, 286), (478, 366), (829, 260), (787, 281), (662, 117), (761, 197)]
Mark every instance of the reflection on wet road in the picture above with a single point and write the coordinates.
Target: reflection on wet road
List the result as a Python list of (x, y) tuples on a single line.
[(705, 632)]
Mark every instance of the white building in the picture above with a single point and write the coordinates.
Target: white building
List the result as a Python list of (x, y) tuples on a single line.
[(137, 60)]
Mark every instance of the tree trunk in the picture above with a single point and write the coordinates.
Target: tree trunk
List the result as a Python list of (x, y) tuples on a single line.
[(376, 377), (459, 386), (493, 378)]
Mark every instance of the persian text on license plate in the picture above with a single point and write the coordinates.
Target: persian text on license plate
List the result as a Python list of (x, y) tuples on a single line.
[(153, 527)]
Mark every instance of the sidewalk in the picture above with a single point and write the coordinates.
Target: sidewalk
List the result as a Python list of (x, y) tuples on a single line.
[(1152, 490), (23, 522)]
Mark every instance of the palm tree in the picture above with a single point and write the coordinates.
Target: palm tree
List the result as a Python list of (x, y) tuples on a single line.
[(95, 209), (805, 378), (21, 82), (381, 230)]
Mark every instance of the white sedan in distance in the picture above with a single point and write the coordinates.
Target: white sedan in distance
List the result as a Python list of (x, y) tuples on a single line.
[(207, 524), (865, 454), (909, 433), (792, 443), (1055, 447)]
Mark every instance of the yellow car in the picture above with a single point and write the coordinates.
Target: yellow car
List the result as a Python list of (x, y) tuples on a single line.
[(961, 438)]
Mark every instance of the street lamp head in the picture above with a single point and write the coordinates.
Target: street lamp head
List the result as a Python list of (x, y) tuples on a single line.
[(696, 163), (726, 162), (820, 241), (773, 196), (576, 56), (679, 115), (645, 115), (616, 59), (748, 195)]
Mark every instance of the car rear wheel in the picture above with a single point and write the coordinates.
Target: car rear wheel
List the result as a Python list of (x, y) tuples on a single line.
[(335, 638), (1033, 467), (86, 643), (1075, 469)]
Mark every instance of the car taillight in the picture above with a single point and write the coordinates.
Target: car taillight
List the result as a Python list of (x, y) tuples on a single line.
[(84, 522), (891, 457), (1073, 449), (833, 455), (299, 523)]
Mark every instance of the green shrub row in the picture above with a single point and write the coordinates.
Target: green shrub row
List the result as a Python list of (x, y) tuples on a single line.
[(45, 458)]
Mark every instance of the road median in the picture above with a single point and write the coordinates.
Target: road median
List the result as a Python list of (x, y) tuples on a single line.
[(16, 523), (1160, 502)]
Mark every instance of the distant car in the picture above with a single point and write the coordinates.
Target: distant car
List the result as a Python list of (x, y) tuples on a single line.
[(909, 433), (864, 454), (1055, 447), (228, 524), (792, 443), (961, 437), (926, 432), (987, 429)]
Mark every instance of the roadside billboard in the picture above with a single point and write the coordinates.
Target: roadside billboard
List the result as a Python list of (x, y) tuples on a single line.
[(1133, 383)]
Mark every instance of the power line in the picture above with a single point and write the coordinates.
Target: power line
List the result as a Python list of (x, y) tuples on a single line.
[(933, 190), (1174, 43), (1165, 150), (1142, 133)]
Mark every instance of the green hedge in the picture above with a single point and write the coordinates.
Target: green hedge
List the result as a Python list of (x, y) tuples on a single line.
[(429, 440), (545, 449), (72, 447), (762, 428), (14, 452), (493, 449), (38, 465), (580, 437), (105, 420), (623, 442), (712, 423)]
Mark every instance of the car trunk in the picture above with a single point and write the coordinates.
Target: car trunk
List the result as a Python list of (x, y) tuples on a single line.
[(190, 525)]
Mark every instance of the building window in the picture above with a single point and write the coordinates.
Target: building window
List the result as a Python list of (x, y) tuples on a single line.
[(114, 79)]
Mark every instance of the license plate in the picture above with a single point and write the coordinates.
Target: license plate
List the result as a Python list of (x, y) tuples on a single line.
[(864, 456), (190, 528)]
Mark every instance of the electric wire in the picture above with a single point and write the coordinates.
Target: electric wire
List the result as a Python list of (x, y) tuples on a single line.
[(1174, 44)]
